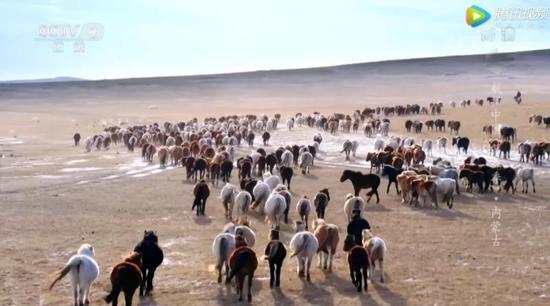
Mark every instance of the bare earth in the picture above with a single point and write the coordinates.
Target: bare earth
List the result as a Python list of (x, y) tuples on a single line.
[(53, 197)]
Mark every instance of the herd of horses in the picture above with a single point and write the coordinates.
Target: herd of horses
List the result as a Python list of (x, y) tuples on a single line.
[(208, 151)]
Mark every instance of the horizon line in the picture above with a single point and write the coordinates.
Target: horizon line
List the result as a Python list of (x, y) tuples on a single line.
[(79, 79)]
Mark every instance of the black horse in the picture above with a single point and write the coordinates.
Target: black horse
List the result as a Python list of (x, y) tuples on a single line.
[(362, 181), (201, 193), (271, 161), (275, 253), (321, 202), (286, 175), (226, 169), (391, 172), (461, 143), (151, 258)]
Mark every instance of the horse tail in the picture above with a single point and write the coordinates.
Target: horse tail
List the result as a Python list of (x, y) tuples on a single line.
[(240, 262), (330, 234), (301, 247), (73, 263), (223, 251), (111, 296)]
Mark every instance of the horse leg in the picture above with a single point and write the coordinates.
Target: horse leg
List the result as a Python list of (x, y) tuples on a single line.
[(143, 280), (278, 274), (533, 182), (331, 256), (300, 267), (388, 189), (81, 293), (381, 262), (271, 273), (352, 274), (325, 261), (319, 258), (250, 278), (377, 197), (365, 277), (75, 292), (308, 278), (203, 206), (150, 276), (128, 295), (240, 285), (359, 279)]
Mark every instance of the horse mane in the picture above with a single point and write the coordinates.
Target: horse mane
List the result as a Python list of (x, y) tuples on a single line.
[(134, 258)]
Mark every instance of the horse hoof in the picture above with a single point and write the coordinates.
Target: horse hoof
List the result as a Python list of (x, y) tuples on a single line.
[(240, 299)]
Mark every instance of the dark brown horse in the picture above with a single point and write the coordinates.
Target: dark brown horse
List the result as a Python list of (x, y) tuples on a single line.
[(362, 181), (243, 263), (358, 261), (76, 138), (201, 193), (125, 277)]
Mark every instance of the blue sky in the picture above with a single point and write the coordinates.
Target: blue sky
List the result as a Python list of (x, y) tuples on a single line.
[(180, 37)]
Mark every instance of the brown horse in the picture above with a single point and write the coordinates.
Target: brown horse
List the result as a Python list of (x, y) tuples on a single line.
[(243, 263), (125, 277), (358, 261)]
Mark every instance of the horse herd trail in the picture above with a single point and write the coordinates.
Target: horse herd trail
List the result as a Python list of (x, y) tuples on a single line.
[(96, 166)]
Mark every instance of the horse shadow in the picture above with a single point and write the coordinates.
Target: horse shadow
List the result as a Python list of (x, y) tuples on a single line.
[(377, 207), (389, 296), (315, 294), (202, 220), (311, 177), (448, 214), (280, 298), (227, 293), (147, 300), (348, 290)]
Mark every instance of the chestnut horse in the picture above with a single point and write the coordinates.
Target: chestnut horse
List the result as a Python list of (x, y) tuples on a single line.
[(358, 261), (243, 263), (125, 277)]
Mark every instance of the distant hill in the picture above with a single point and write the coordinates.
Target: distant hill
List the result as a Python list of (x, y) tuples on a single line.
[(515, 70), (47, 80)]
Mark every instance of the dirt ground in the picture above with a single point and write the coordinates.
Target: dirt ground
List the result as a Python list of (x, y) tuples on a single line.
[(53, 197)]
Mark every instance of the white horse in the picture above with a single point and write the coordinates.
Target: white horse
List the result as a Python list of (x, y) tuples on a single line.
[(261, 191), (241, 230), (89, 144), (354, 147), (353, 203), (305, 160), (271, 180), (286, 159), (445, 189), (227, 195), (222, 247), (525, 175), (275, 207), (379, 144), (84, 271), (376, 247), (303, 208), (304, 245), (243, 200), (427, 146), (442, 143)]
